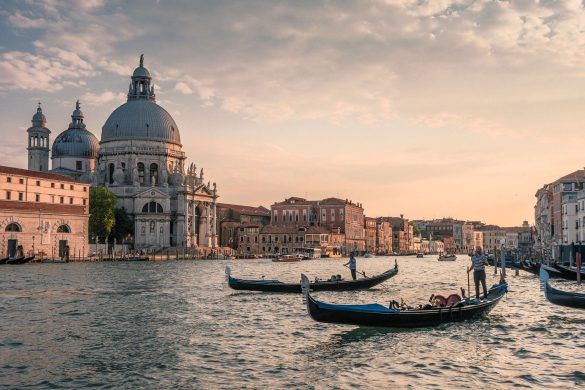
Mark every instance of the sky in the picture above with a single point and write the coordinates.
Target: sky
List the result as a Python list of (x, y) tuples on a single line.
[(429, 109)]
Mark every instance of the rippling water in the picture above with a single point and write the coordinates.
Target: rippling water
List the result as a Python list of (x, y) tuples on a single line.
[(177, 324)]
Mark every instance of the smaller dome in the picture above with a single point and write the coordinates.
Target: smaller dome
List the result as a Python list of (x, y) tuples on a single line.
[(141, 72), (39, 116), (75, 143)]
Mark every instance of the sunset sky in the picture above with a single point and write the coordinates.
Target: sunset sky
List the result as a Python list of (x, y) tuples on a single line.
[(425, 108)]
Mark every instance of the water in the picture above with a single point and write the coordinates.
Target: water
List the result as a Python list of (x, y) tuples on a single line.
[(177, 324)]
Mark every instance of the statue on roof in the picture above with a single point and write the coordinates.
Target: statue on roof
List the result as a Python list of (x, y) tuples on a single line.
[(141, 60)]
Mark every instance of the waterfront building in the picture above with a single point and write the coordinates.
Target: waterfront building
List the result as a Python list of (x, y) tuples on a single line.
[(492, 238), (468, 238), (581, 216), (417, 244), (293, 239), (232, 218), (569, 220), (543, 221), (448, 230), (370, 234), (567, 185), (43, 212), (331, 213), (402, 234), (139, 157), (383, 237)]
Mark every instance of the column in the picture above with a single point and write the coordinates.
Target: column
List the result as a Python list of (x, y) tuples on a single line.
[(214, 239)]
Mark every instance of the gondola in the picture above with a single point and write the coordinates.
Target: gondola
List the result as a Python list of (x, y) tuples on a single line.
[(20, 260), (137, 258), (4, 260), (382, 316), (319, 285), (447, 258), (559, 297), (552, 271), (569, 273), (529, 266)]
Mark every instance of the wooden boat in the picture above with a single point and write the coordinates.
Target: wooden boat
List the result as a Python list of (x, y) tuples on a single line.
[(559, 297), (368, 255), (447, 258), (530, 266), (136, 258), (420, 255), (287, 259), (569, 273), (4, 260), (552, 272), (318, 285), (20, 260), (379, 315)]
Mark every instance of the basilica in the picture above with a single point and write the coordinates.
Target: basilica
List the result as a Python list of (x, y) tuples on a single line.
[(140, 159)]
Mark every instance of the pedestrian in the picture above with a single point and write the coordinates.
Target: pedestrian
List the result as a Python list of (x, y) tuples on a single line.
[(478, 263), (351, 264)]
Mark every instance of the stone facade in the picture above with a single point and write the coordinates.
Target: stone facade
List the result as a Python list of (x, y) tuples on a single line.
[(43, 212), (140, 159), (370, 234), (231, 218), (383, 237)]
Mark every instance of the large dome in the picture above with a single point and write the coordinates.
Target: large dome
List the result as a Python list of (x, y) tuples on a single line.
[(75, 143), (141, 119)]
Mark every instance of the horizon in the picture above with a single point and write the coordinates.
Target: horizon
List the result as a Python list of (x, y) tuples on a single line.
[(426, 110)]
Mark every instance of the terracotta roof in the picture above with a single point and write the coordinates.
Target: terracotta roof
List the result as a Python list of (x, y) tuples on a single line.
[(578, 174), (41, 175), (42, 207), (259, 210)]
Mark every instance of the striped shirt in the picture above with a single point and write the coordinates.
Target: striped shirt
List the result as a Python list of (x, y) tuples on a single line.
[(477, 261), (352, 263)]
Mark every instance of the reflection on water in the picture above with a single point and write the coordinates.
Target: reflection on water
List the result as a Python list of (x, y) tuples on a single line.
[(177, 324)]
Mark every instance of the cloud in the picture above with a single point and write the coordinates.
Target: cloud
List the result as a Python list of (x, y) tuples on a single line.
[(183, 88), (105, 97)]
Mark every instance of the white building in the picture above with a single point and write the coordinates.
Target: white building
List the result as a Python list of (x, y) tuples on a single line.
[(570, 222), (140, 159)]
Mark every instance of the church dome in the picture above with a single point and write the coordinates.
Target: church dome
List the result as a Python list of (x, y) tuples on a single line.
[(141, 119), (76, 141), (38, 118)]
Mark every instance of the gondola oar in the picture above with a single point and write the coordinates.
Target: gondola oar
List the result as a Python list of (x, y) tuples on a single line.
[(468, 285), (356, 271)]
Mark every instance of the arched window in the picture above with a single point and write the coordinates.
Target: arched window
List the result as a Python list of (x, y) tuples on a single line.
[(63, 229), (13, 227), (141, 173), (112, 167), (154, 173), (152, 207)]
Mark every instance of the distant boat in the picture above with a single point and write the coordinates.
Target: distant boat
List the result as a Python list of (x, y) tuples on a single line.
[(20, 260), (447, 258), (287, 259), (368, 255), (420, 255)]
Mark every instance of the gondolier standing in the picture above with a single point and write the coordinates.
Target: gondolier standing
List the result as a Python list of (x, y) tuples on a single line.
[(478, 263), (351, 265)]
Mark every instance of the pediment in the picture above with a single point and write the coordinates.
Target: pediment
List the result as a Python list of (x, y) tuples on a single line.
[(203, 190), (151, 193)]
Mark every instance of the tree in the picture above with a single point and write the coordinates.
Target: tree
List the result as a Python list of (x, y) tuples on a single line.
[(102, 215), (415, 230), (123, 226)]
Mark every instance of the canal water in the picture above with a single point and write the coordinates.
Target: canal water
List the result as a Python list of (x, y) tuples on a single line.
[(177, 324)]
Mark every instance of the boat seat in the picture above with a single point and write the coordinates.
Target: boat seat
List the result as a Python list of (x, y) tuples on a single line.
[(441, 301)]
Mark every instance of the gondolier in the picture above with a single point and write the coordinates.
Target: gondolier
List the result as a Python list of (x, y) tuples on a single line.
[(351, 264), (478, 263)]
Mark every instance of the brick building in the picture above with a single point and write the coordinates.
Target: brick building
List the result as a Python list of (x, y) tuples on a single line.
[(332, 214), (383, 237), (44, 212), (402, 234), (233, 218), (370, 234)]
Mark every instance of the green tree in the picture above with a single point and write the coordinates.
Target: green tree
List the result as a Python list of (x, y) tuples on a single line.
[(102, 203), (415, 229), (123, 226)]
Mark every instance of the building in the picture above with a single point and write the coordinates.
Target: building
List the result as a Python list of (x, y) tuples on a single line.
[(448, 230), (371, 229), (140, 159), (492, 238), (43, 212), (402, 234), (333, 214), (292, 239), (567, 185), (232, 218), (543, 221), (383, 237), (569, 220)]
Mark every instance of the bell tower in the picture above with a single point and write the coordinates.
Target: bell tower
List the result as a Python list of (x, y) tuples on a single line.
[(38, 142)]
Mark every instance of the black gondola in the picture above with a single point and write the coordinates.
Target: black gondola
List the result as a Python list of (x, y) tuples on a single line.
[(552, 271), (321, 285), (559, 297), (530, 266), (4, 260), (569, 273), (379, 315), (20, 260)]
